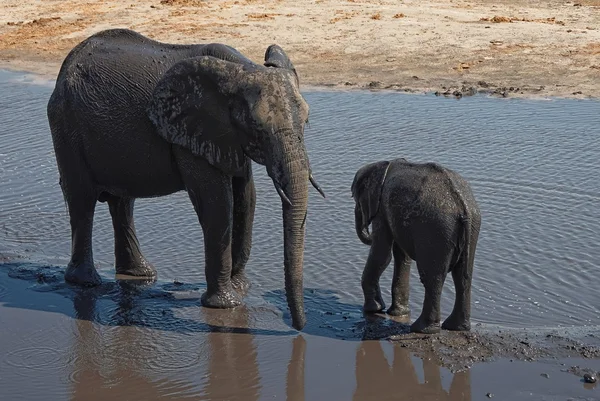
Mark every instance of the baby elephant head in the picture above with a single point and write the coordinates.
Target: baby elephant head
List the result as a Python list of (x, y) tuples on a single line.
[(366, 191)]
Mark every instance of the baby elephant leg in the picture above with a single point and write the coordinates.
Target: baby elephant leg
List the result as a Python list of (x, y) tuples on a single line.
[(379, 258), (432, 271), (462, 274), (400, 283)]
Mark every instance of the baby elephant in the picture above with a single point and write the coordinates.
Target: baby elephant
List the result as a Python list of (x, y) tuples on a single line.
[(426, 213)]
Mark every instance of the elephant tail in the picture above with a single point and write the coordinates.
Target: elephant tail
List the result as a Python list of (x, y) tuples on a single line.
[(470, 222), (469, 219)]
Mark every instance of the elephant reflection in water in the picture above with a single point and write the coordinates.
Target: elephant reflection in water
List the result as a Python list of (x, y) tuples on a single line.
[(377, 380), (119, 361), (115, 361), (232, 372), (233, 367)]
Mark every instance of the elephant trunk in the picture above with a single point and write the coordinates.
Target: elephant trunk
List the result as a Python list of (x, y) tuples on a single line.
[(362, 231), (290, 174)]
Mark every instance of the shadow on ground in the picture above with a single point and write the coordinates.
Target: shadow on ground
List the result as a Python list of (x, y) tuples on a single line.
[(154, 305)]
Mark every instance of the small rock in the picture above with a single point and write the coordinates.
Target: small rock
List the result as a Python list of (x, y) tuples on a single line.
[(589, 378), (374, 84), (577, 93), (348, 83), (546, 375), (390, 59), (489, 395)]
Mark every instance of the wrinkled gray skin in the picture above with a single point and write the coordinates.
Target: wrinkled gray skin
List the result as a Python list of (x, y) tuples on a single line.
[(133, 118), (421, 212)]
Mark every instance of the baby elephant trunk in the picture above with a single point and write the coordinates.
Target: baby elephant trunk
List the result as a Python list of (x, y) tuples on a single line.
[(362, 230)]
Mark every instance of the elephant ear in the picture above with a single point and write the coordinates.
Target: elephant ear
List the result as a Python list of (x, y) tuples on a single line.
[(190, 107), (367, 189), (276, 57)]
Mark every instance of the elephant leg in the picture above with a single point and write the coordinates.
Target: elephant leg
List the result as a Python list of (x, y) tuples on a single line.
[(81, 202), (379, 258), (128, 256), (400, 283), (244, 202), (462, 273), (210, 191), (432, 271), (459, 319)]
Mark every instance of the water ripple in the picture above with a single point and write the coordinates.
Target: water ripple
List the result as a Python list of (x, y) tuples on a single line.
[(33, 358), (532, 165)]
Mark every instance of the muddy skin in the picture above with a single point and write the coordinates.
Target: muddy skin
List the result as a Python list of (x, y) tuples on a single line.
[(84, 274), (224, 299), (180, 117), (405, 203)]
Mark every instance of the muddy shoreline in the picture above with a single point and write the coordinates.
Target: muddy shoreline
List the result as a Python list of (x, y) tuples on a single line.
[(456, 351), (511, 48)]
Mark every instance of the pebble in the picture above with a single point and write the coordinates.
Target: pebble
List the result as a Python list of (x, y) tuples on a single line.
[(588, 378), (489, 395), (546, 375)]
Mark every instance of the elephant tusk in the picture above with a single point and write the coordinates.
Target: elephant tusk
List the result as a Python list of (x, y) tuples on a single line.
[(283, 196), (316, 185)]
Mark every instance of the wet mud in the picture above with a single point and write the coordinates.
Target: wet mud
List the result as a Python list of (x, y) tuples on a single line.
[(115, 335)]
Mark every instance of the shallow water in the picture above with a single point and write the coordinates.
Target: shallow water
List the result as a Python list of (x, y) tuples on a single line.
[(533, 168)]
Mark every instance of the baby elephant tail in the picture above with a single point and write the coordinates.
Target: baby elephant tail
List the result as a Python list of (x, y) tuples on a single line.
[(470, 223)]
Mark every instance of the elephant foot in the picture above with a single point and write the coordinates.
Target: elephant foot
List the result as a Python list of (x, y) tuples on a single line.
[(455, 324), (373, 306), (83, 274), (398, 310), (221, 299), (240, 283), (138, 268), (424, 327)]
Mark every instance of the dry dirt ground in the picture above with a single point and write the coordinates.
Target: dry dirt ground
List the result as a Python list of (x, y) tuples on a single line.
[(506, 47)]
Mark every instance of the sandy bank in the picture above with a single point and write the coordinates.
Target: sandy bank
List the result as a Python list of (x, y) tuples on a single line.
[(510, 48)]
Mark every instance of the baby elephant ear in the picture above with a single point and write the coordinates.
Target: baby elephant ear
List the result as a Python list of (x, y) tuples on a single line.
[(190, 107), (369, 188), (276, 57)]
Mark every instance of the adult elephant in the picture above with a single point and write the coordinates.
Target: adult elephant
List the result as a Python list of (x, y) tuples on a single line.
[(131, 117)]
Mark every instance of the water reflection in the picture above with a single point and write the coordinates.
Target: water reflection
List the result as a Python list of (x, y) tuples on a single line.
[(118, 362), (295, 372), (376, 379), (121, 360), (232, 372), (127, 360)]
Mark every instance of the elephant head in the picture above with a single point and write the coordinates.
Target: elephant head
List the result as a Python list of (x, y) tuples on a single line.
[(366, 191), (228, 111)]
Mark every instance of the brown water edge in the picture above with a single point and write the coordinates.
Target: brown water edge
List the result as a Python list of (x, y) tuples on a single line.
[(133, 340)]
